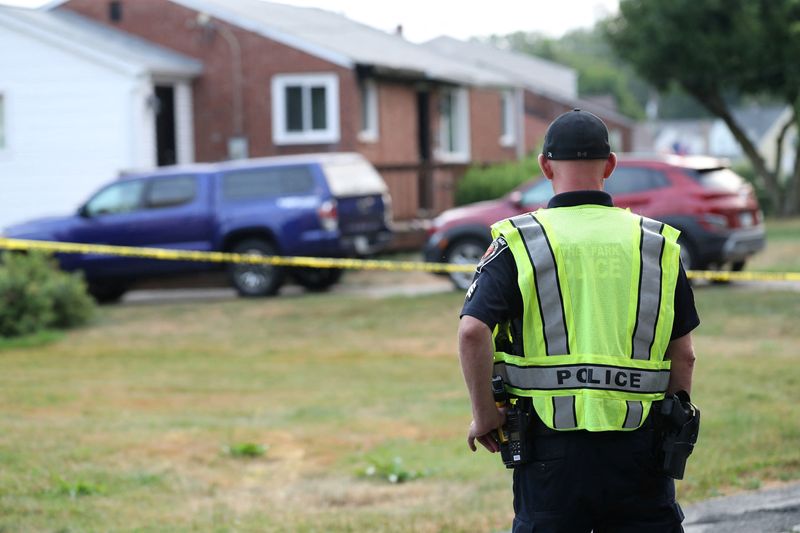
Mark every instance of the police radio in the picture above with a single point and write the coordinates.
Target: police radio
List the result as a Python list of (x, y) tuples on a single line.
[(512, 436)]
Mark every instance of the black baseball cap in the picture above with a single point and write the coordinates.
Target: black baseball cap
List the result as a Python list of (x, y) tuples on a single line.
[(576, 135)]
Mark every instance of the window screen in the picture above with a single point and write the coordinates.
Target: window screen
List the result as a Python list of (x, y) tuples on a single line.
[(628, 180), (172, 191), (267, 182)]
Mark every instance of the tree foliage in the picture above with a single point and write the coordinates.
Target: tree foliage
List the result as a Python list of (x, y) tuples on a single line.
[(600, 71), (713, 47)]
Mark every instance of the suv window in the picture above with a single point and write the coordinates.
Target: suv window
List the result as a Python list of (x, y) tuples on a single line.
[(539, 193), (267, 182), (171, 192), (122, 197), (627, 180), (718, 179)]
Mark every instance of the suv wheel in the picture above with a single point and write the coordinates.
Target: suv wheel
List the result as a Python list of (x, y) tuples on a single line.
[(255, 280), (317, 279), (106, 292), (466, 251)]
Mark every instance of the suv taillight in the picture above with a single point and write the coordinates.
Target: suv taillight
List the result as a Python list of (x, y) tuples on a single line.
[(714, 221), (328, 215)]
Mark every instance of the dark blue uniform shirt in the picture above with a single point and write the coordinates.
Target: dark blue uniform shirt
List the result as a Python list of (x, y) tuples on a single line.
[(494, 296)]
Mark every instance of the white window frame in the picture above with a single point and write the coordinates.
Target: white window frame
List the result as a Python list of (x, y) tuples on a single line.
[(368, 91), (3, 121), (508, 122), (280, 134), (459, 152)]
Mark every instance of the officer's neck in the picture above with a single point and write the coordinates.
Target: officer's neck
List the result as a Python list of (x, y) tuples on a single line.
[(576, 183)]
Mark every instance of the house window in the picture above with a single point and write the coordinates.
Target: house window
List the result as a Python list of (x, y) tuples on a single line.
[(2, 122), (305, 108), (507, 119), (454, 125), (369, 111)]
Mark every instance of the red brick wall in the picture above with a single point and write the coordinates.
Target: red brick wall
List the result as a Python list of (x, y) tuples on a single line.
[(397, 141), (485, 127)]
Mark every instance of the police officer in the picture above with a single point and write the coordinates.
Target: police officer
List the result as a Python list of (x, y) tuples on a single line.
[(584, 309)]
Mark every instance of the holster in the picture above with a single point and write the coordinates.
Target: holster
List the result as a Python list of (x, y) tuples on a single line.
[(679, 426)]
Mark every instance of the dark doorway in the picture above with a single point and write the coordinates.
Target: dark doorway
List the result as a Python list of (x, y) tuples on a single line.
[(425, 183), (424, 125), (165, 125)]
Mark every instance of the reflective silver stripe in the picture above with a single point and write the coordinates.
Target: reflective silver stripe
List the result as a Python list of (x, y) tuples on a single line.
[(500, 370), (601, 377), (649, 302), (564, 412), (633, 417), (548, 289)]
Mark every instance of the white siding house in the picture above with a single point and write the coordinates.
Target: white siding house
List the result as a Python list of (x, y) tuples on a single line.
[(78, 106)]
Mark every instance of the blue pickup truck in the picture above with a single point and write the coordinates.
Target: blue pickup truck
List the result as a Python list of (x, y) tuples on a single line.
[(322, 205)]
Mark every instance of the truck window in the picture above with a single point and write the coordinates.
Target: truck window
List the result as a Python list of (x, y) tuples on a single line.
[(122, 197), (170, 192), (267, 182)]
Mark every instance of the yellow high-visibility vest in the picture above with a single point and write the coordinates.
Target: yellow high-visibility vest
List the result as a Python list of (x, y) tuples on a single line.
[(597, 286)]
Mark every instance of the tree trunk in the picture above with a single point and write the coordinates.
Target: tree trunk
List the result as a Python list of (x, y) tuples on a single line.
[(715, 103), (792, 204)]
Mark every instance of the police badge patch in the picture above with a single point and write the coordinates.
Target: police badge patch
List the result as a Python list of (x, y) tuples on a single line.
[(494, 249)]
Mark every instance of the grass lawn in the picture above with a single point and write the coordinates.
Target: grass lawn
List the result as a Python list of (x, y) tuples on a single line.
[(782, 253), (245, 415)]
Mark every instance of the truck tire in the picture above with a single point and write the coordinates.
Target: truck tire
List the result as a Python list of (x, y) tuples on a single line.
[(317, 279), (253, 281), (106, 292)]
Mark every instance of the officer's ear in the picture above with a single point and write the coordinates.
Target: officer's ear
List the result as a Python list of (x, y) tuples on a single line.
[(544, 164), (611, 164)]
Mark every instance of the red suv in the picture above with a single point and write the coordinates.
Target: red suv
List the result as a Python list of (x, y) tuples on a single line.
[(714, 208)]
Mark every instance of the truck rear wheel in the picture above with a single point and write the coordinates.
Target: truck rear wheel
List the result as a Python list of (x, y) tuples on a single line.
[(106, 292), (255, 280), (317, 279)]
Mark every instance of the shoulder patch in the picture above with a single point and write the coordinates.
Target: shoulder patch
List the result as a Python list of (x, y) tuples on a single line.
[(494, 249)]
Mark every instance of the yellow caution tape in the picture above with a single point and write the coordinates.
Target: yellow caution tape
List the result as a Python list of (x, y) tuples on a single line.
[(224, 257), (321, 262)]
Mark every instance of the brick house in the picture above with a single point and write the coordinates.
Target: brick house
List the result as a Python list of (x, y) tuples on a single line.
[(280, 79), (549, 89)]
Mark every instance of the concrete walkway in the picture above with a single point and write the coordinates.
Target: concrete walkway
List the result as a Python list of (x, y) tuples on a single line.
[(775, 510)]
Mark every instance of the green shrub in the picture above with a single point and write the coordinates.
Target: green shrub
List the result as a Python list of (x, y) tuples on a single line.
[(493, 181), (35, 295), (245, 450)]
